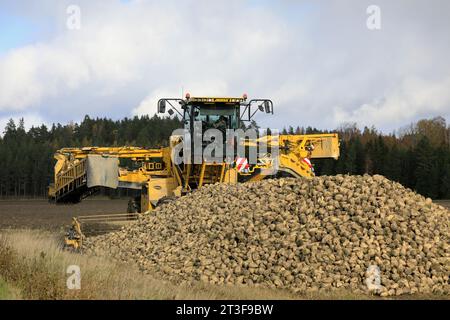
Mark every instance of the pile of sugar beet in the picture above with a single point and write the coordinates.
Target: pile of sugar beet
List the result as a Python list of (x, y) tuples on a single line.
[(364, 234)]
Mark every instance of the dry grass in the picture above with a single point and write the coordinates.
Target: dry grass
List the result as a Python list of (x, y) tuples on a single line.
[(32, 266), (33, 262), (8, 292)]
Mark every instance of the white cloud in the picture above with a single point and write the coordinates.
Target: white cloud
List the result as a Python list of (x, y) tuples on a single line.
[(411, 99), (207, 89), (318, 62), (31, 74)]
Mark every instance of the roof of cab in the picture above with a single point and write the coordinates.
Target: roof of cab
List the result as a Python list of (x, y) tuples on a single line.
[(216, 100)]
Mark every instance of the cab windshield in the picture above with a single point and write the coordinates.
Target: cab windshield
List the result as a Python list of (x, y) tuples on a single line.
[(216, 116)]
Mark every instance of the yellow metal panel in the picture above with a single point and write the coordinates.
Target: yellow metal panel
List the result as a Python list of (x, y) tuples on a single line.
[(133, 176), (222, 172), (325, 145), (160, 187), (121, 152), (202, 174), (230, 176)]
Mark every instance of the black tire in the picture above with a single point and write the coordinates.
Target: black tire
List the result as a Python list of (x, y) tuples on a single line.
[(166, 199), (134, 205)]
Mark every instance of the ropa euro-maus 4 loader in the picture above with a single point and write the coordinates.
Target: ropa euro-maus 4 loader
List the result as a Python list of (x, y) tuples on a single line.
[(170, 172)]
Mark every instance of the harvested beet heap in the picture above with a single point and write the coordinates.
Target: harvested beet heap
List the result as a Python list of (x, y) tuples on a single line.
[(299, 234)]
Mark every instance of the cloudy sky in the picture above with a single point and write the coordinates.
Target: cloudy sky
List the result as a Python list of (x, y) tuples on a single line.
[(317, 60)]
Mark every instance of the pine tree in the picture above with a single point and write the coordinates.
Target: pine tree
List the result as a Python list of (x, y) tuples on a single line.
[(444, 165), (427, 171), (411, 158)]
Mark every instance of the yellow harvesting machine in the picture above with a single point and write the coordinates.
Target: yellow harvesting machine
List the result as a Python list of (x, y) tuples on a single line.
[(191, 160)]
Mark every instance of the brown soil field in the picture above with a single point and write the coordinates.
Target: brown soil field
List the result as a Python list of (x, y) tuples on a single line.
[(40, 214), (123, 281), (445, 203)]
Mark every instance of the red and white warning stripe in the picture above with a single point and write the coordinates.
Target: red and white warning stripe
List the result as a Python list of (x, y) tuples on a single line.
[(241, 164), (308, 162)]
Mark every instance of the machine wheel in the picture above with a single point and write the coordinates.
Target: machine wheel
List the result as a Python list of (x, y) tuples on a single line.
[(165, 200), (134, 205)]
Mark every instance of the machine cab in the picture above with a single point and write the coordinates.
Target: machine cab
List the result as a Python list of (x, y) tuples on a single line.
[(201, 114), (213, 112)]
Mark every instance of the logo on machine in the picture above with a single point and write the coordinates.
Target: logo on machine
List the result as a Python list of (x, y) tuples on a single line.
[(216, 146)]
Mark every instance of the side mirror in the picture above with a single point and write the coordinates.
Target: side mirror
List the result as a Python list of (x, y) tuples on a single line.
[(267, 106), (261, 107), (170, 112), (161, 106)]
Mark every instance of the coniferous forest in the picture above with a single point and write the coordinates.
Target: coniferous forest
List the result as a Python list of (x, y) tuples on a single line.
[(417, 156), (27, 156)]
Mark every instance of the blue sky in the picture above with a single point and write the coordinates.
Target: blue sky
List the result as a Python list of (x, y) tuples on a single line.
[(16, 31), (317, 60)]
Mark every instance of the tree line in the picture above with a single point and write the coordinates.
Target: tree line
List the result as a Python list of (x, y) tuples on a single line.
[(26, 157), (417, 156)]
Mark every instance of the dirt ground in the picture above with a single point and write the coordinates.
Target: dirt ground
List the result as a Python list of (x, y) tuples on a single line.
[(40, 214), (445, 203)]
